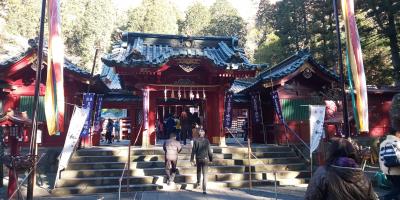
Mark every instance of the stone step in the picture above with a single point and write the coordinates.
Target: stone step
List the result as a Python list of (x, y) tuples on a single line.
[(288, 177), (136, 158), (226, 184), (185, 150), (84, 189), (265, 155), (182, 170), (181, 163), (253, 149), (294, 182)]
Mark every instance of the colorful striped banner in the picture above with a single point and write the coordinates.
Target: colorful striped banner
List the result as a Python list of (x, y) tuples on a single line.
[(356, 62), (54, 97)]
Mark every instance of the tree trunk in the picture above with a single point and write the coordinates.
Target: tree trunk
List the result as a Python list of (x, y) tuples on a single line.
[(394, 47)]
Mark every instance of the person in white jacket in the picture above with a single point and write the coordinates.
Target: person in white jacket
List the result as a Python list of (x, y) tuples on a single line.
[(392, 173)]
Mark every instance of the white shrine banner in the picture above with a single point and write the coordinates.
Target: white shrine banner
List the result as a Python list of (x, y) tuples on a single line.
[(317, 115), (77, 122)]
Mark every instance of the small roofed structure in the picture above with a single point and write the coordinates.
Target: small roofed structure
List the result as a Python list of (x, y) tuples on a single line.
[(299, 81)]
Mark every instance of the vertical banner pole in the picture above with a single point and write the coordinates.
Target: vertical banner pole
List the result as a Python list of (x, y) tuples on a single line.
[(32, 149), (346, 127)]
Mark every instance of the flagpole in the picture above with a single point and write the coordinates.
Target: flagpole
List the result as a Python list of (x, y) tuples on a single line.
[(346, 127), (33, 144), (89, 136)]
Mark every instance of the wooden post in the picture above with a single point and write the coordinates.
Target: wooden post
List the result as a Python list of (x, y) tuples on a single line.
[(129, 164), (249, 154), (262, 118), (12, 174)]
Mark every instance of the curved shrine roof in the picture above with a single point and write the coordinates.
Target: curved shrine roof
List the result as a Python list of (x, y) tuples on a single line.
[(143, 49)]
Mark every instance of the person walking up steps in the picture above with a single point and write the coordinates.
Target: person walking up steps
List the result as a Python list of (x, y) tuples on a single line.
[(109, 129), (202, 151), (171, 148), (116, 130), (186, 126)]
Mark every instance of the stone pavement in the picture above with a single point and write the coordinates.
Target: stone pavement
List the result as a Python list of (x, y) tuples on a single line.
[(264, 192), (290, 193)]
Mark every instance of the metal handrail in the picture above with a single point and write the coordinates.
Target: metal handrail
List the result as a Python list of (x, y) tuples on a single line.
[(296, 148), (137, 136), (19, 185), (294, 145), (127, 163), (297, 136), (262, 162), (120, 181)]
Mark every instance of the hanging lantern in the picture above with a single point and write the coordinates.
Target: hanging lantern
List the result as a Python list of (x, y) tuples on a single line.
[(165, 94), (172, 94), (197, 94), (179, 93), (191, 95), (184, 93), (204, 94)]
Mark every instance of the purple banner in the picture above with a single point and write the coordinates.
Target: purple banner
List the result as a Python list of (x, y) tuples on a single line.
[(228, 110), (277, 105), (256, 106), (88, 101), (97, 115)]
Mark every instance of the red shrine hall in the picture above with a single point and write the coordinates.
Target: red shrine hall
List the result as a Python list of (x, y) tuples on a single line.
[(153, 75), (173, 73)]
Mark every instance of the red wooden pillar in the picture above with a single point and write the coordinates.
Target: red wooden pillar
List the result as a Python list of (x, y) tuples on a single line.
[(146, 107), (212, 117), (12, 175), (152, 117), (221, 108), (215, 115)]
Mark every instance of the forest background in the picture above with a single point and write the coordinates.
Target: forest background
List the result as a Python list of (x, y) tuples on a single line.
[(276, 29)]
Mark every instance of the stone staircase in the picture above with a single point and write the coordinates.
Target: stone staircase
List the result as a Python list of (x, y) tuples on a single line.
[(97, 170)]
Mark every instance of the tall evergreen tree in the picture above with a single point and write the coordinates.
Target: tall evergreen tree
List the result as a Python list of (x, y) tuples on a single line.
[(197, 18), (386, 16), (87, 25), (154, 16), (22, 17), (322, 33), (226, 21)]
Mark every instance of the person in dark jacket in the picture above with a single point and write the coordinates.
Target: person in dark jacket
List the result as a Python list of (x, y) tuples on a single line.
[(171, 148), (170, 125), (109, 129), (341, 177), (202, 151), (186, 126)]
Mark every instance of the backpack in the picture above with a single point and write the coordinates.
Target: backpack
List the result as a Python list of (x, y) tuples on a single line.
[(381, 180), (390, 155)]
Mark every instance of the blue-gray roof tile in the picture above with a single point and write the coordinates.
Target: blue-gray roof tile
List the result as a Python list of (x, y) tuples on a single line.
[(138, 49)]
